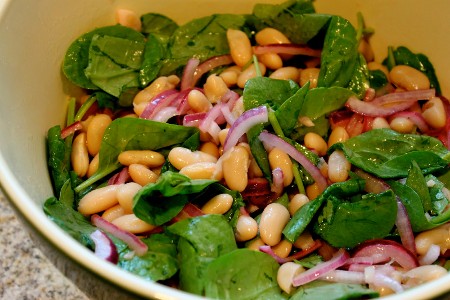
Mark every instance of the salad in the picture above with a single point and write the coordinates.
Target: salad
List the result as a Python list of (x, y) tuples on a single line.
[(257, 156)]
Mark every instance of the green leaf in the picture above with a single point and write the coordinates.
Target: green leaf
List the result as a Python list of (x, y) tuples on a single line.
[(388, 154), (296, 19), (134, 134), (264, 90), (288, 112), (202, 239), (305, 215), (416, 181), (201, 38), (340, 60), (346, 224), (333, 291), (114, 63), (71, 221), (160, 262), (243, 274), (76, 58), (58, 158), (157, 203), (159, 25), (154, 54)]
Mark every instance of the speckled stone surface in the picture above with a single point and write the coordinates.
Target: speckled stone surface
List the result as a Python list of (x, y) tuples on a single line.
[(26, 273)]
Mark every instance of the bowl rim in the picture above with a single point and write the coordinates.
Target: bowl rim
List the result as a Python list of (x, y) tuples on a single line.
[(22, 202)]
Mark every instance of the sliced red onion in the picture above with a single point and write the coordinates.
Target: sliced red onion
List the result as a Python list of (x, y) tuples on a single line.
[(227, 114), (373, 110), (157, 103), (431, 256), (209, 64), (389, 249), (187, 80), (243, 124), (165, 114), (281, 260), (355, 126), (341, 276), (404, 228), (139, 247), (183, 106), (369, 95), (277, 181), (414, 117), (408, 96), (104, 247), (193, 120), (188, 211), (211, 117), (271, 141), (380, 279), (71, 129), (293, 49), (321, 269), (120, 177)]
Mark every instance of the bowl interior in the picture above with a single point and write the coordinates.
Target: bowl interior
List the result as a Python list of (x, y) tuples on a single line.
[(35, 35)]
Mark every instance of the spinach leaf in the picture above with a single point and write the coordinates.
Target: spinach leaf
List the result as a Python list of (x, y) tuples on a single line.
[(157, 203), (346, 224), (134, 134), (413, 204), (439, 200), (332, 291), (58, 158), (288, 112), (377, 79), (259, 153), (340, 60), (159, 263), (159, 25), (154, 54), (404, 56), (388, 154), (243, 274), (296, 19), (318, 103), (202, 239), (416, 181), (76, 58), (360, 81), (114, 63), (306, 214), (201, 38), (71, 221), (267, 91)]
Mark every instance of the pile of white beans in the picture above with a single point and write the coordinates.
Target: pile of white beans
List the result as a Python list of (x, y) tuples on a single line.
[(235, 167)]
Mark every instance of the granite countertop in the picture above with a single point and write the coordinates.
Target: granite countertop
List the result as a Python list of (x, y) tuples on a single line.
[(25, 271)]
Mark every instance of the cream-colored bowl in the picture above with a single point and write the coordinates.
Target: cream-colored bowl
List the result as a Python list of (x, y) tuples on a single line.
[(34, 36)]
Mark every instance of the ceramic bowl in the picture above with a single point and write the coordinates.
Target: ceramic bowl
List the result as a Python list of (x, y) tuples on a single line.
[(34, 36)]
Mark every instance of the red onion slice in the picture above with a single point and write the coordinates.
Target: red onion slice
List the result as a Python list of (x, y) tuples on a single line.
[(193, 120), (243, 124), (71, 129), (157, 103), (139, 247), (188, 211), (104, 247), (293, 49), (271, 141), (209, 64), (404, 228), (431, 256), (390, 249), (295, 256), (373, 110), (414, 117), (319, 270), (187, 80), (341, 276), (409, 96), (165, 114), (277, 181), (120, 177)]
